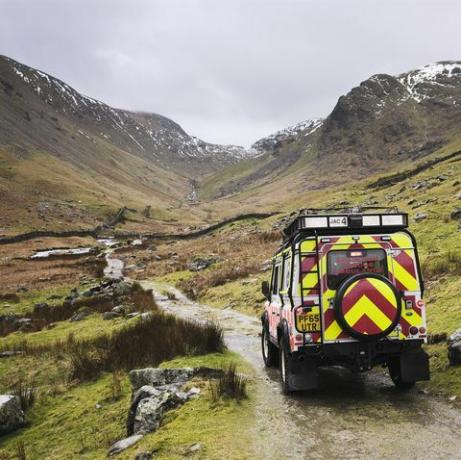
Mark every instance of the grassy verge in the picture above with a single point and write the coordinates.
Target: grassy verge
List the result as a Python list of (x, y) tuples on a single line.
[(85, 419)]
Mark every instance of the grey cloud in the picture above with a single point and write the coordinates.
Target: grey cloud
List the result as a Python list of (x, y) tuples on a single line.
[(228, 71)]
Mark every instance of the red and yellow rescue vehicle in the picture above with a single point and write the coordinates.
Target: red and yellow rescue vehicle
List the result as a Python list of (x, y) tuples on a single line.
[(346, 289)]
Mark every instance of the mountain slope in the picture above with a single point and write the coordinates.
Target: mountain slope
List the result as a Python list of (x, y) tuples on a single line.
[(384, 122), (58, 146)]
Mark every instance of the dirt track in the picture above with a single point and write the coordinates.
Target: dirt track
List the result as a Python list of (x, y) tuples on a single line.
[(348, 417)]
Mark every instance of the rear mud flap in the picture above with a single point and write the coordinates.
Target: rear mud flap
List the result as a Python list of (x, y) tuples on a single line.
[(303, 375), (414, 366)]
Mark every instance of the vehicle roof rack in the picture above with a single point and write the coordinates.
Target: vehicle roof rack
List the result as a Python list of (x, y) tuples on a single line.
[(339, 220)]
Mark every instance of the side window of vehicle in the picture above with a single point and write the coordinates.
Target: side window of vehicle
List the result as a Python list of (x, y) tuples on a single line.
[(276, 279), (287, 273)]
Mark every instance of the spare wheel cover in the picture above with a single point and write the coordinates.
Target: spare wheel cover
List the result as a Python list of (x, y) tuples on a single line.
[(368, 306)]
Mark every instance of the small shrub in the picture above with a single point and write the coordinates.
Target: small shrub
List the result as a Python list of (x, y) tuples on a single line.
[(20, 450), (116, 385), (448, 263), (25, 394), (85, 363), (147, 342), (230, 384)]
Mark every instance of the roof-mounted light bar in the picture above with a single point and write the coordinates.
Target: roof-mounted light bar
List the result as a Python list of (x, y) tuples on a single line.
[(344, 222)]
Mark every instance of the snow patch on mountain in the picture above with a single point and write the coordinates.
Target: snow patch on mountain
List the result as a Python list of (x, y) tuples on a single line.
[(271, 142), (418, 81)]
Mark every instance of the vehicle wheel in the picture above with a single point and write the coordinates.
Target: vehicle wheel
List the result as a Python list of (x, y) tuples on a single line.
[(269, 350), (285, 366), (396, 377)]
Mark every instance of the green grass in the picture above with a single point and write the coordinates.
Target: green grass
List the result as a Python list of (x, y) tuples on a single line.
[(445, 379), (28, 299), (243, 295), (89, 327), (68, 424)]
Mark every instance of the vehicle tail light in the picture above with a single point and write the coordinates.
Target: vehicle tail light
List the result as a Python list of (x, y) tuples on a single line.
[(413, 330), (422, 330)]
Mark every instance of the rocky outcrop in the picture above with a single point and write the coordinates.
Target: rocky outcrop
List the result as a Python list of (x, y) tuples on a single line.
[(454, 348), (156, 391), (201, 263), (11, 414)]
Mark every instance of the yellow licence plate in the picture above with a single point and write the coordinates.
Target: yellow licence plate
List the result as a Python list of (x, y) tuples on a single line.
[(309, 321)]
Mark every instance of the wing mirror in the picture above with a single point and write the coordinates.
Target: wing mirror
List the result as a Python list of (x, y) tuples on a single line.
[(265, 289)]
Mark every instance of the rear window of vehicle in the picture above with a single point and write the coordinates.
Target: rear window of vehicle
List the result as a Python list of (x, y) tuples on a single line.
[(342, 264)]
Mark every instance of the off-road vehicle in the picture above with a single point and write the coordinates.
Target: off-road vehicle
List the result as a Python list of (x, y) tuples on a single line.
[(346, 289)]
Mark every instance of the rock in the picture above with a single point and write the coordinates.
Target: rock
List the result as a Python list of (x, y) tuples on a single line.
[(108, 315), (24, 325), (133, 314), (420, 216), (80, 314), (201, 263), (121, 309), (194, 448), (123, 444), (10, 353), (454, 348), (458, 196), (122, 288), (11, 414), (194, 391), (452, 398), (156, 377), (420, 185), (41, 308), (72, 295), (149, 412), (456, 214)]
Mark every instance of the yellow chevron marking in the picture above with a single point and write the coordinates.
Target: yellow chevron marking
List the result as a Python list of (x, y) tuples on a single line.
[(308, 246), (404, 276), (402, 240), (384, 290), (310, 280), (333, 331), (365, 306)]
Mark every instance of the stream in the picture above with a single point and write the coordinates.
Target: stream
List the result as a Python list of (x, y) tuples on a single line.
[(350, 416)]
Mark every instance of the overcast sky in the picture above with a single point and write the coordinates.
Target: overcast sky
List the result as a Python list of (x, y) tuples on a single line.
[(229, 71)]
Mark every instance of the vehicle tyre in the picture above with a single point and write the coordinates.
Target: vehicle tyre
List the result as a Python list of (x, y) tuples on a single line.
[(285, 366), (396, 377), (269, 350)]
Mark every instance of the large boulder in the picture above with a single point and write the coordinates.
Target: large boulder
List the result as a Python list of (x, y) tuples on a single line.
[(157, 390), (149, 411), (454, 348), (11, 414)]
